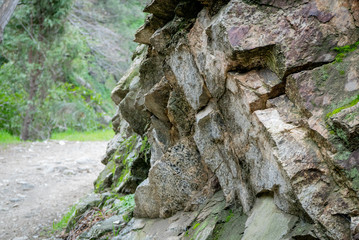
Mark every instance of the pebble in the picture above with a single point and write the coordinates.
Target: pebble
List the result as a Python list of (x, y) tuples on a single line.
[(27, 186), (59, 169), (69, 172), (14, 200), (2, 209), (21, 238), (81, 170)]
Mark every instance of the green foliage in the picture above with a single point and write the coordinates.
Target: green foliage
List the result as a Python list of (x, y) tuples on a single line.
[(7, 138), (339, 137), (116, 21), (65, 219), (126, 218), (127, 16), (115, 231), (45, 16), (344, 50), (145, 148), (126, 204), (72, 135), (46, 74)]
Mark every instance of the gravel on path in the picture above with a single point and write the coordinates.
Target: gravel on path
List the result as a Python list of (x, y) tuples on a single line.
[(39, 181)]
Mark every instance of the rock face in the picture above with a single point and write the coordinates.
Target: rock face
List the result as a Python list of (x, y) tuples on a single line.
[(250, 98)]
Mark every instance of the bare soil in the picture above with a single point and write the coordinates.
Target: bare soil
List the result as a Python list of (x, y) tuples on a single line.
[(39, 182)]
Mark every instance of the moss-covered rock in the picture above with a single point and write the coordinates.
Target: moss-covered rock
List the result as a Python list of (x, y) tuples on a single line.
[(127, 168)]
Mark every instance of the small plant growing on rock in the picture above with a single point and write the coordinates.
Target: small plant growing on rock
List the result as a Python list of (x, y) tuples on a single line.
[(196, 226), (228, 218), (344, 50), (63, 222)]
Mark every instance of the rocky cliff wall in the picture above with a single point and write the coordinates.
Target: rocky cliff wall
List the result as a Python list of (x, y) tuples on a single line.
[(251, 111)]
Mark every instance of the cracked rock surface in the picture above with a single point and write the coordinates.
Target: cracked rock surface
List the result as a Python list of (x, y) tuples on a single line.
[(246, 100)]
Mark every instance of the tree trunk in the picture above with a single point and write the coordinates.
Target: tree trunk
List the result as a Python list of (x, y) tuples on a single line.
[(6, 10), (33, 89), (29, 115)]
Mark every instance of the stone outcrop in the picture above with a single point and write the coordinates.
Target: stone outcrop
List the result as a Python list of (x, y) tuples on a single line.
[(252, 103)]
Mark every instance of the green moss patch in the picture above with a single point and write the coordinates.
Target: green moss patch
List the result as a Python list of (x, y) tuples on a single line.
[(230, 226), (344, 50), (353, 175), (345, 106)]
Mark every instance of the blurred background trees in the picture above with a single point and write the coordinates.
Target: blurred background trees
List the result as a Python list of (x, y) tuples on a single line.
[(7, 7), (59, 61)]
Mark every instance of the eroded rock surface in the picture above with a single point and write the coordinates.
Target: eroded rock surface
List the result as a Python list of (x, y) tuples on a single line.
[(250, 98)]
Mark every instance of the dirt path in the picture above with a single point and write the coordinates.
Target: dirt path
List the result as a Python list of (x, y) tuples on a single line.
[(39, 181)]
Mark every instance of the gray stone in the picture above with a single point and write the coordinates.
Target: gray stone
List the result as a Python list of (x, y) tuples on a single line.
[(26, 186), (162, 8), (105, 179), (20, 238), (188, 77), (156, 100), (145, 32), (123, 86), (110, 225), (90, 201), (267, 222), (172, 182)]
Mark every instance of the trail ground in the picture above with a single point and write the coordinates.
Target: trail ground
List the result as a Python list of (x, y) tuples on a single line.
[(39, 181)]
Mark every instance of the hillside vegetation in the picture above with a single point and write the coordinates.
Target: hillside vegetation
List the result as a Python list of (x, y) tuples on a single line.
[(59, 61)]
